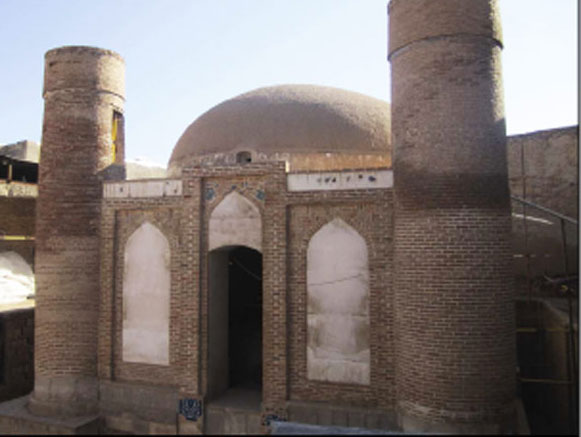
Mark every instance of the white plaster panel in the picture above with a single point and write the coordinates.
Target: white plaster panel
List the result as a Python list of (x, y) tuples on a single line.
[(343, 180), (146, 294), (338, 305), (330, 330), (150, 188), (235, 222), (340, 371)]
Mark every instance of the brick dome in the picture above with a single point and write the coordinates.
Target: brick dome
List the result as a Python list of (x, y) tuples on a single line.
[(285, 120)]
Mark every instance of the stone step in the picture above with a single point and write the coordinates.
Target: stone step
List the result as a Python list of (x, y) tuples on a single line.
[(15, 419), (322, 414), (294, 428), (228, 420)]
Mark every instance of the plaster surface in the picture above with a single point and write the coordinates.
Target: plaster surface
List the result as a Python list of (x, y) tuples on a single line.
[(146, 294), (146, 188), (235, 222), (343, 180), (338, 305)]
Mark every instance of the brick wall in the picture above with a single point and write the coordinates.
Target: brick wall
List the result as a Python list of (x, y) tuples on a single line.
[(543, 168), (184, 221), (289, 221), (120, 218), (17, 218), (370, 213)]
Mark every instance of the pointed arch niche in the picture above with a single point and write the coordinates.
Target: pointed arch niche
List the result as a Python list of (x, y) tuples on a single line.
[(235, 222), (146, 297), (338, 305)]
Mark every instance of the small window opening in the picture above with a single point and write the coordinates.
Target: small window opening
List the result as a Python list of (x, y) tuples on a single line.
[(117, 138), (243, 157)]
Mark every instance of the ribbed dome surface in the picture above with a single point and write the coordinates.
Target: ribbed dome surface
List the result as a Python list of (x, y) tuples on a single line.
[(289, 119)]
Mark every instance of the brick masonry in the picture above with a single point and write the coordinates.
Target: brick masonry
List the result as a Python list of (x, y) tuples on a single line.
[(370, 213), (454, 309), (543, 168), (289, 221), (18, 216), (18, 219), (83, 86), (441, 302)]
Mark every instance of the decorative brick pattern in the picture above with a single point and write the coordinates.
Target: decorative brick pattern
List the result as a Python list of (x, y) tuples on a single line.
[(220, 182), (120, 219), (289, 221)]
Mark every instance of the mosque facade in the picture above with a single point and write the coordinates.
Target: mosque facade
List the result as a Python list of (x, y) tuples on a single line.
[(313, 255)]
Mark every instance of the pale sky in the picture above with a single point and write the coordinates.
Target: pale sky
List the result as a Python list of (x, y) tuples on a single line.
[(185, 56)]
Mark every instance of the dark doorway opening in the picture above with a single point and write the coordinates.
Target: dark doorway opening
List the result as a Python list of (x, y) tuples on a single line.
[(245, 318), (235, 324)]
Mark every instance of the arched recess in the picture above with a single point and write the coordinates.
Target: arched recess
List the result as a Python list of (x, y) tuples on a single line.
[(146, 296), (338, 305), (235, 222)]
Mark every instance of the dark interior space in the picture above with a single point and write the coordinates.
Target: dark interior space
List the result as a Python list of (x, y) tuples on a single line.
[(20, 171), (547, 383), (245, 318)]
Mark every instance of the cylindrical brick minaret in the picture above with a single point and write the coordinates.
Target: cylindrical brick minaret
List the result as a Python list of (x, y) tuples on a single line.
[(455, 337), (84, 95)]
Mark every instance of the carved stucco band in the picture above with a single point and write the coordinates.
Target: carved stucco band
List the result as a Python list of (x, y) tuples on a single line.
[(146, 294), (338, 305)]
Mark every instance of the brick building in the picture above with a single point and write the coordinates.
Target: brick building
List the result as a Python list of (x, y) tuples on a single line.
[(314, 255)]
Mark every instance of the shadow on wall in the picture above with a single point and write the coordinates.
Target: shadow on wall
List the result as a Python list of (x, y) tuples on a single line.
[(547, 383)]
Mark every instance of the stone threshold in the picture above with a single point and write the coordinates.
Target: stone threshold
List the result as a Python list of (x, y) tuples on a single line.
[(16, 419)]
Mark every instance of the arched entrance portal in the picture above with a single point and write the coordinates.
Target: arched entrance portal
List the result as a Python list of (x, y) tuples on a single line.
[(235, 321)]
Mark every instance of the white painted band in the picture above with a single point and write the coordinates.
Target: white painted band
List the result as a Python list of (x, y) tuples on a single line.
[(158, 188), (343, 180)]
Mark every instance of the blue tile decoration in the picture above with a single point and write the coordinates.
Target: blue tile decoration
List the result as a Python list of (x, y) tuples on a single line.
[(209, 194), (260, 194), (273, 418), (191, 409)]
